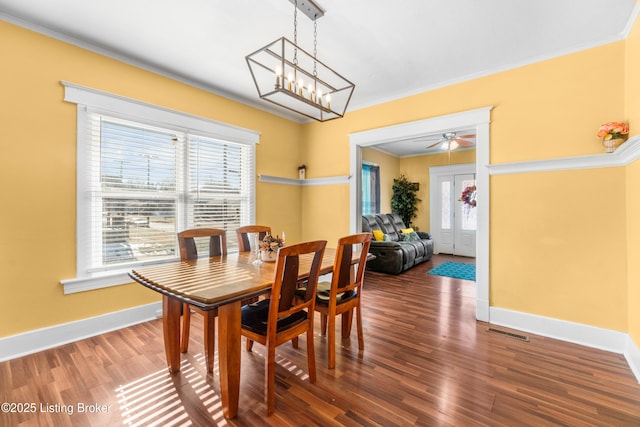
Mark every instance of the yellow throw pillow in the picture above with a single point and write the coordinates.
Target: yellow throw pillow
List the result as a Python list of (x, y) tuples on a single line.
[(378, 235), (407, 230)]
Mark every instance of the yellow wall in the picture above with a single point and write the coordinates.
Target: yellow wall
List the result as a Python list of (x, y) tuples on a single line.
[(558, 245), (632, 79), (37, 169), (546, 110)]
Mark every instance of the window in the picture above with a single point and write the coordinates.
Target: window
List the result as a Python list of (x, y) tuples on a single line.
[(370, 189), (144, 177)]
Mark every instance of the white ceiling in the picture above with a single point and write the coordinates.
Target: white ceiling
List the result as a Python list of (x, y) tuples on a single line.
[(388, 49)]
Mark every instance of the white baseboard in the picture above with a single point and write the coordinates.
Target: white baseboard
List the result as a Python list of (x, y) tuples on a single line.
[(577, 333), (42, 339)]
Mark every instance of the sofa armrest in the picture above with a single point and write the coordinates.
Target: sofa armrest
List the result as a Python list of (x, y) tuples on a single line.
[(424, 235), (385, 245)]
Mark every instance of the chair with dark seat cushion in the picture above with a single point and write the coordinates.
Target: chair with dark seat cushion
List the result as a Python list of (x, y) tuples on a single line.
[(343, 294), (285, 315), (188, 251)]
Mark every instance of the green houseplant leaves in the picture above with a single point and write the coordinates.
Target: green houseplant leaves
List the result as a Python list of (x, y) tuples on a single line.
[(404, 200)]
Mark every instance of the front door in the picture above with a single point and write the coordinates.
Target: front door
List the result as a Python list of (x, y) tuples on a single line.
[(465, 216), (456, 220)]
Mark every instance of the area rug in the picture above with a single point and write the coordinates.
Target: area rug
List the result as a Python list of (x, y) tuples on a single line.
[(457, 270)]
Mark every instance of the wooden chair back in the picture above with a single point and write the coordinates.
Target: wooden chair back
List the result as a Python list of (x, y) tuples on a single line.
[(343, 294), (285, 282), (288, 315), (343, 279), (244, 244), (189, 251), (187, 242)]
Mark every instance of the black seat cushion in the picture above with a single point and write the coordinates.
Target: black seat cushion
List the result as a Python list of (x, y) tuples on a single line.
[(255, 316), (324, 291)]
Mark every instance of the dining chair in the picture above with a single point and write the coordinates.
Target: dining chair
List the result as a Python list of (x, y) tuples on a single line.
[(344, 293), (285, 315), (188, 251), (244, 244)]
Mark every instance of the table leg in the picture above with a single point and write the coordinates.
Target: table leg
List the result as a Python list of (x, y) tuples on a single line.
[(229, 339), (171, 329)]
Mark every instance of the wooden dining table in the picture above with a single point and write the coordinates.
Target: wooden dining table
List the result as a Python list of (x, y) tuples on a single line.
[(221, 283)]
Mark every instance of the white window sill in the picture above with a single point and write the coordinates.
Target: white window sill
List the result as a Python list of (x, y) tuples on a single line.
[(105, 280)]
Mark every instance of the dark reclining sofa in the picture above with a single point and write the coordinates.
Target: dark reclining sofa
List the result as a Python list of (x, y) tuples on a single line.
[(397, 252)]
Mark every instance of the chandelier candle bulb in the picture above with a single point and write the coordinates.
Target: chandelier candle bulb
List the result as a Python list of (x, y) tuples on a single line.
[(289, 80), (278, 76), (310, 92), (329, 101), (300, 86), (319, 96)]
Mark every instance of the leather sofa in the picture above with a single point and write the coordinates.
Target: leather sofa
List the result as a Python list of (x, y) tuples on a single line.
[(397, 252)]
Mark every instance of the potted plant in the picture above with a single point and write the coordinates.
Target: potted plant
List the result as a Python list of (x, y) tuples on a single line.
[(404, 200), (613, 134), (269, 247)]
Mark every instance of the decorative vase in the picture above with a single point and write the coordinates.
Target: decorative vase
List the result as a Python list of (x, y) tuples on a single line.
[(268, 256), (610, 145)]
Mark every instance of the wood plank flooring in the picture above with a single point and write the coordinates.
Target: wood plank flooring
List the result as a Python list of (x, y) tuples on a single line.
[(427, 362)]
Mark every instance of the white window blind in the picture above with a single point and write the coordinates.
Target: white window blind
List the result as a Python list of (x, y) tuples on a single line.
[(149, 182), (144, 174)]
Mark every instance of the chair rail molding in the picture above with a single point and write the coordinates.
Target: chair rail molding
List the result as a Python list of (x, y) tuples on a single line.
[(309, 182), (625, 154)]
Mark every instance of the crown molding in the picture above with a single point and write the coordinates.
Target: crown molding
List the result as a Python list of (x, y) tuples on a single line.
[(623, 156)]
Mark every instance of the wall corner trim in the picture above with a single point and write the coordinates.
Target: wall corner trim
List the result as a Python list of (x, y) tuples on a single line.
[(577, 333), (632, 354)]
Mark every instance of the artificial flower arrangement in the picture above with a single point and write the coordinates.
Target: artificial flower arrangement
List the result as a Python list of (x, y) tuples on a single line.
[(271, 243), (613, 130), (468, 196)]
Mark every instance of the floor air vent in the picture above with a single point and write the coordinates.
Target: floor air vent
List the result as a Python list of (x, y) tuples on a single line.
[(509, 334)]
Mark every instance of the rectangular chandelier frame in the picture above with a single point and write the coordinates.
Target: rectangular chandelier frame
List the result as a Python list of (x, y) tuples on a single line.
[(286, 75)]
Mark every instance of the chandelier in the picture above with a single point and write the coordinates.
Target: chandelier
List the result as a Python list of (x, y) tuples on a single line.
[(288, 76)]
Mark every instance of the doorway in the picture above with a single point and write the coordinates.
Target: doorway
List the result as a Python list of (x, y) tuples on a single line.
[(479, 120), (453, 222)]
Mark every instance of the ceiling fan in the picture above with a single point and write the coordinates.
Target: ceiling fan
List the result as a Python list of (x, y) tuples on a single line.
[(450, 142)]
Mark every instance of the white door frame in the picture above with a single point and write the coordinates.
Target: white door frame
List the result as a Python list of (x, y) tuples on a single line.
[(436, 172), (478, 119)]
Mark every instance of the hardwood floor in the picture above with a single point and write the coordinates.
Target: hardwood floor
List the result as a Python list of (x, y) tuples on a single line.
[(426, 362)]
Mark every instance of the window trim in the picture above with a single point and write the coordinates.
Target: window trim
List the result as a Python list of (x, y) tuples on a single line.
[(119, 106)]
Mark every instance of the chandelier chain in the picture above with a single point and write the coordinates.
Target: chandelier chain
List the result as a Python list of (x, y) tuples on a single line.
[(295, 32), (315, 44)]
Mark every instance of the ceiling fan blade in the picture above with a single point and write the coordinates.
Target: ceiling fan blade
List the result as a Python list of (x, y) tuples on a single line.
[(433, 145), (466, 136), (463, 142)]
